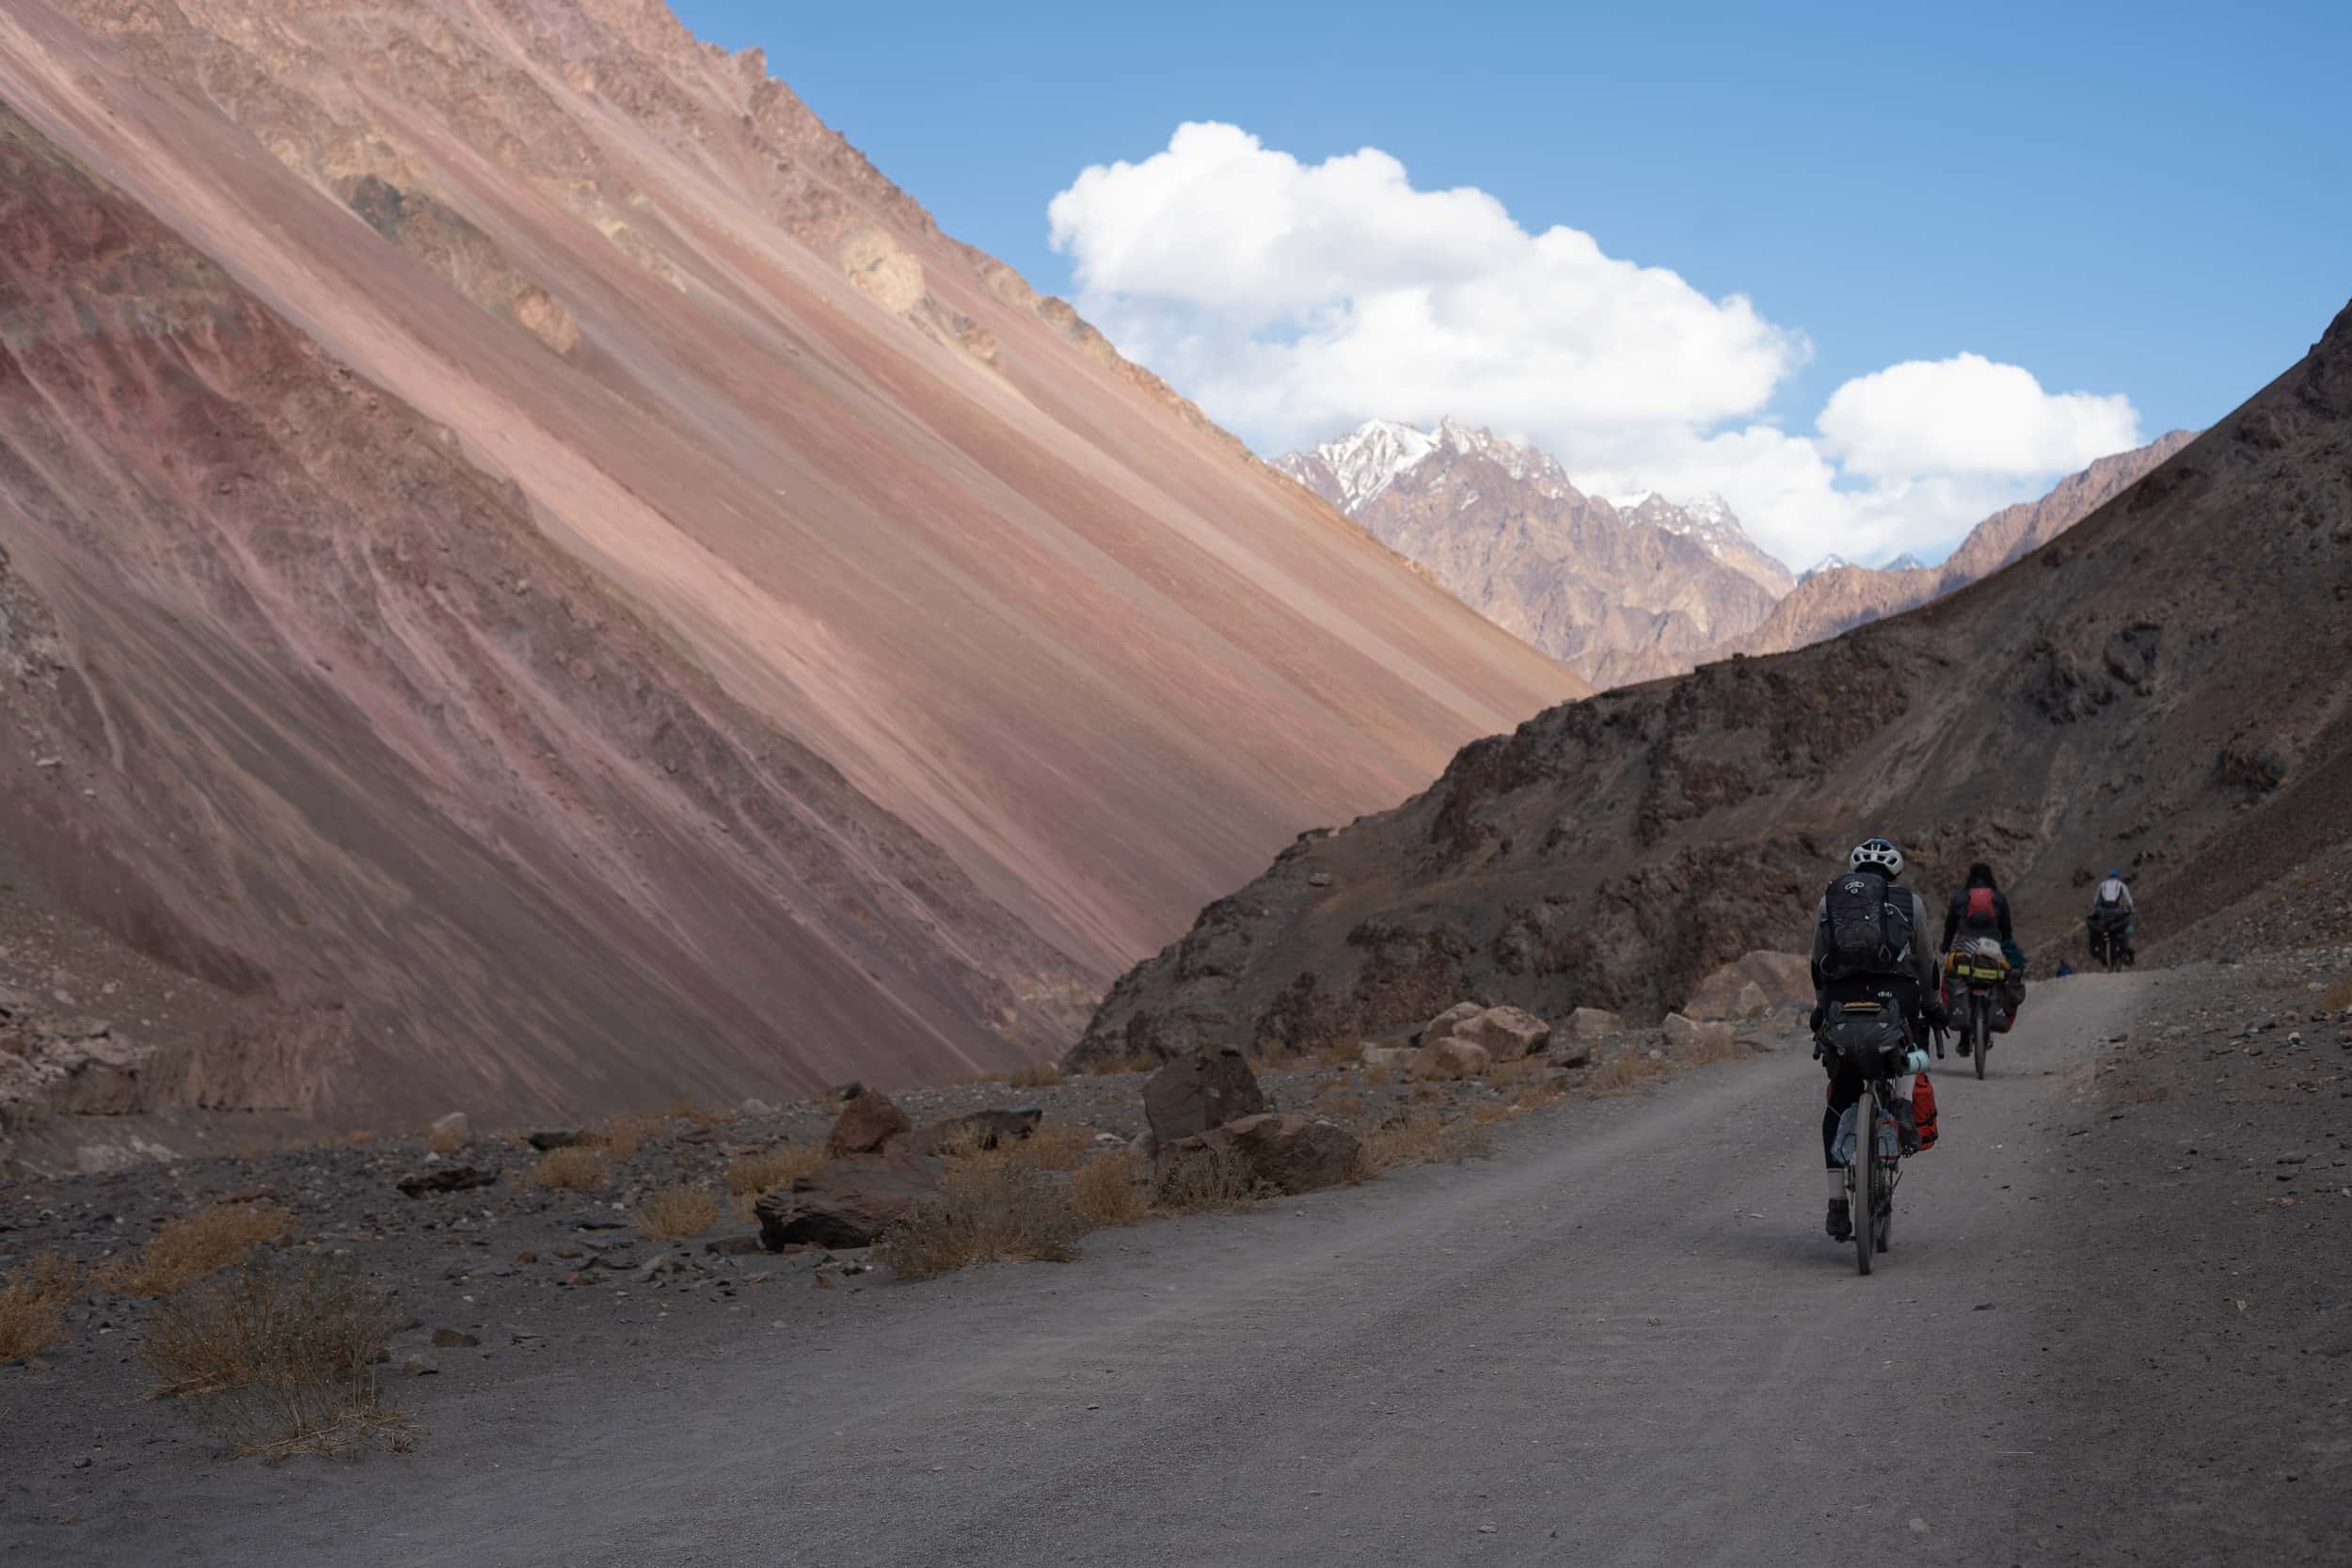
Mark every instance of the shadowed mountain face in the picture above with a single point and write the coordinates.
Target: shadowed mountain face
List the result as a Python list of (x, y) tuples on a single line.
[(1839, 596), (1618, 592), (2142, 691), (885, 661)]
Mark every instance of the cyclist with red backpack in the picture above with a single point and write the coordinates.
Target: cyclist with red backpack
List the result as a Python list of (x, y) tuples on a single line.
[(1870, 941), (1979, 911)]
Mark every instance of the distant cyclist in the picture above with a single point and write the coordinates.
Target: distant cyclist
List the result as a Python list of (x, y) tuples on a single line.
[(1980, 911), (2113, 911)]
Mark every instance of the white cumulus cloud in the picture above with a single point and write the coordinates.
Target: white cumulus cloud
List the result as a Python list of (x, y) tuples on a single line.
[(1293, 300)]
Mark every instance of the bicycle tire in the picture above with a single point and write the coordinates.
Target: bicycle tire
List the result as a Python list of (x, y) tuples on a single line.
[(1861, 1177), (1977, 1027)]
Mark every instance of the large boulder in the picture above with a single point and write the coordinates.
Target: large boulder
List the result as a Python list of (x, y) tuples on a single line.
[(1507, 1032), (1443, 1025), (1193, 1093), (1752, 986), (1687, 1036), (869, 1121), (1587, 1023), (1447, 1059), (974, 1131), (1290, 1154), (849, 1203), (1391, 1056)]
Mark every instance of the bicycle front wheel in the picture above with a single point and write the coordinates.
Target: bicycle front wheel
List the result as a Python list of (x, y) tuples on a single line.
[(1861, 1179), (1980, 1031)]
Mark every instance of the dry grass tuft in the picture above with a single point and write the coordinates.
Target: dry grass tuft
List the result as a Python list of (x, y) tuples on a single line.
[(1338, 1101), (1519, 1070), (578, 1168), (1111, 1189), (443, 1140), (1536, 1094), (1620, 1073), (624, 1135), (33, 1304), (1043, 1077), (188, 1248), (1420, 1138), (1142, 1061), (1211, 1181), (280, 1361), (1487, 1112), (983, 1213), (701, 1115), (674, 1214), (2338, 996), (1052, 1146), (771, 1169), (1378, 1076)]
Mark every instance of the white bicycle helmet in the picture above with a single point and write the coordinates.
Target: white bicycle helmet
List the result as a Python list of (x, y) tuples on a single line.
[(1877, 852)]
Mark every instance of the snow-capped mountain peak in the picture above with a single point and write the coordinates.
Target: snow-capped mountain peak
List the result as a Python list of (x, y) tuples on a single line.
[(1351, 469), (1827, 563)]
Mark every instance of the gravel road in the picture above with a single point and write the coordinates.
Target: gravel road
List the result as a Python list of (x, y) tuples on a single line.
[(1622, 1340)]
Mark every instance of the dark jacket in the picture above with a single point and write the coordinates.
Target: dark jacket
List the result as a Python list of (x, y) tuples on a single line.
[(1917, 974), (1956, 922)]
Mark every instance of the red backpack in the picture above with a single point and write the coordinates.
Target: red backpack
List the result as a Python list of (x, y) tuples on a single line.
[(1980, 905)]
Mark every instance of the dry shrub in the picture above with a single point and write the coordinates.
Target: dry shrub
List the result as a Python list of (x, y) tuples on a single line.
[(983, 1213), (1340, 1055), (1379, 1075), (673, 1213), (1518, 1069), (1536, 1094), (1421, 1138), (2338, 996), (624, 1135), (686, 1110), (1142, 1061), (33, 1304), (1338, 1101), (1043, 1077), (1487, 1112), (764, 1172), (1212, 1180), (279, 1360), (1051, 1146), (194, 1246), (579, 1167), (1620, 1073), (443, 1140), (1110, 1189)]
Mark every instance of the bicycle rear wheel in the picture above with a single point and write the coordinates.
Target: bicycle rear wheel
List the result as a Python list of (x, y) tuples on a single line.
[(1979, 1031), (1862, 1179)]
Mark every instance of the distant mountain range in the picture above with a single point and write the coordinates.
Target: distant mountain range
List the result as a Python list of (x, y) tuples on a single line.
[(1628, 588)]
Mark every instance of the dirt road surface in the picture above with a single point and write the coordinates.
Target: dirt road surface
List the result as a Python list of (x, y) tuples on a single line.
[(1622, 1340)]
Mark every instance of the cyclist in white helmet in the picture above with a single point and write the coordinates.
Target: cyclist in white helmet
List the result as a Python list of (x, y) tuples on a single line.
[(1870, 939)]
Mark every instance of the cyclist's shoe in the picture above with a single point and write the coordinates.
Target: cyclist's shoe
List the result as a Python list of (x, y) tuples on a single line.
[(1840, 1221), (1967, 1046), (1906, 1127)]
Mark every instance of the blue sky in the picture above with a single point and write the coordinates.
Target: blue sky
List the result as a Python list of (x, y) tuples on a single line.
[(2150, 202)]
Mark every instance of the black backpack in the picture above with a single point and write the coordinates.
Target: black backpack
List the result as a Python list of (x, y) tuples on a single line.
[(1867, 925)]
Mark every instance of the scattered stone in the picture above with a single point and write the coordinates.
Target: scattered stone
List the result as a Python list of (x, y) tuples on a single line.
[(847, 1204), (447, 1179), (1443, 1025), (1447, 1059), (850, 1091), (453, 1339), (1193, 1093), (866, 1124), (1688, 1037), (1571, 1053), (1391, 1056), (1590, 1023), (1507, 1032), (756, 1108), (455, 1125), (733, 1246), (1321, 879), (1289, 1152), (544, 1138), (418, 1366)]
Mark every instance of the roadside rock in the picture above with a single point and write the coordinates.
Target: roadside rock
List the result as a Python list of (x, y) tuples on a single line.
[(1507, 1032), (1445, 1024), (1688, 1037), (979, 1129), (544, 1138), (445, 1178), (1752, 986), (1587, 1023), (1393, 1057), (1194, 1093), (847, 1204), (453, 1339), (1286, 1152), (1448, 1059), (866, 1123), (1567, 1054)]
